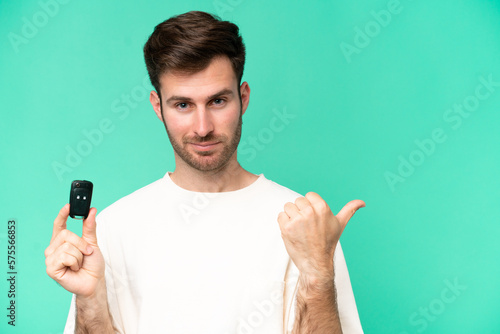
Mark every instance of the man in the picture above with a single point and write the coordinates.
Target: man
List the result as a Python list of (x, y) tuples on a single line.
[(210, 247)]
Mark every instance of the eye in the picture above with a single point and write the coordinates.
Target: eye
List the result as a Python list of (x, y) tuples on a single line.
[(181, 105), (219, 102)]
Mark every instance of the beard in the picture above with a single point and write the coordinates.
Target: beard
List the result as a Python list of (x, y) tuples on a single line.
[(207, 160)]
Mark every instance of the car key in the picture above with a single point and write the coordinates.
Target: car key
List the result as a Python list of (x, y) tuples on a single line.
[(79, 199)]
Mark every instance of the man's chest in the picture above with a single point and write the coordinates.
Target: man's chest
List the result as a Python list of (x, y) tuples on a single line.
[(225, 273)]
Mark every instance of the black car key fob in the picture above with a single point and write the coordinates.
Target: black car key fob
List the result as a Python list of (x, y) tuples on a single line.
[(79, 199)]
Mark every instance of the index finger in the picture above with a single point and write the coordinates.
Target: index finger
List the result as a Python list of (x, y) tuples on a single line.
[(60, 221)]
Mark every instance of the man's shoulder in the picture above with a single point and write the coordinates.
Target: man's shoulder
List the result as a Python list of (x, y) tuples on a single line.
[(280, 191)]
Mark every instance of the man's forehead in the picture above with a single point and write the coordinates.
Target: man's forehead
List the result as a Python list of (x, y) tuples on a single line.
[(218, 75), (205, 92)]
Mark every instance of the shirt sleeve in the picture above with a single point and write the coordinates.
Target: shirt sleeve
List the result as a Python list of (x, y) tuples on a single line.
[(112, 292), (348, 312), (70, 322)]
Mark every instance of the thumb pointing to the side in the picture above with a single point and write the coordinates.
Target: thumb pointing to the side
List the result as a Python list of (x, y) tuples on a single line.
[(348, 211), (89, 228)]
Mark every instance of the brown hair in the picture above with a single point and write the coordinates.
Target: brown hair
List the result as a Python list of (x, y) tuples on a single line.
[(188, 42)]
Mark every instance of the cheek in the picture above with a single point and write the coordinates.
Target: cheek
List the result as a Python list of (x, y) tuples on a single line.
[(229, 123), (228, 126), (174, 130), (231, 119), (177, 123)]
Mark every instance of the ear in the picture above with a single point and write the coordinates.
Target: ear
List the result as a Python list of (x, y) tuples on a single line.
[(245, 96), (155, 102)]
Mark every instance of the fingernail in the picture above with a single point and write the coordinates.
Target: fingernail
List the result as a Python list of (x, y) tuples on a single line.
[(90, 250)]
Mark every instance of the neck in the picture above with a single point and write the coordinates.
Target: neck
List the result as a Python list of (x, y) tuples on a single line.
[(229, 177)]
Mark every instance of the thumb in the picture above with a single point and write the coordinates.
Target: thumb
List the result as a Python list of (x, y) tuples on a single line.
[(89, 228), (348, 211)]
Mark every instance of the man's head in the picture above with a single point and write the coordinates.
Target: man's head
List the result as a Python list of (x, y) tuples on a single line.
[(187, 43), (195, 62)]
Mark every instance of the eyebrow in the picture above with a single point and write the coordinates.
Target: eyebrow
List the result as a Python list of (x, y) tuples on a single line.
[(225, 91)]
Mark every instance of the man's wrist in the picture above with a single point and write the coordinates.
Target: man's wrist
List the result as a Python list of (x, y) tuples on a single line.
[(317, 284), (99, 293), (92, 312)]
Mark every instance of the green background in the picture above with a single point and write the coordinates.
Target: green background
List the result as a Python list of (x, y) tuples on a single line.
[(355, 116)]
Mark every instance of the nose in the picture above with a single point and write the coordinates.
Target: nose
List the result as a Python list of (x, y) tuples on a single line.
[(203, 122)]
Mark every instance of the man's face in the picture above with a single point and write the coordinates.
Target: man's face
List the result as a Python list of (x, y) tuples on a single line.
[(202, 113)]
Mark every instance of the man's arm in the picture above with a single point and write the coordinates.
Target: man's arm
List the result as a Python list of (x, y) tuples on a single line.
[(316, 310), (311, 233), (92, 313)]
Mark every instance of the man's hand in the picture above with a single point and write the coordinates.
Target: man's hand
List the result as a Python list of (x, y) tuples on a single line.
[(76, 263), (311, 231)]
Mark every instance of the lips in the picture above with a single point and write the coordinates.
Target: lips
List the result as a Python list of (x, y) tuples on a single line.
[(205, 146)]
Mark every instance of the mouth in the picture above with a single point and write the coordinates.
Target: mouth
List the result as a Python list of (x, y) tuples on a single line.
[(205, 146)]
